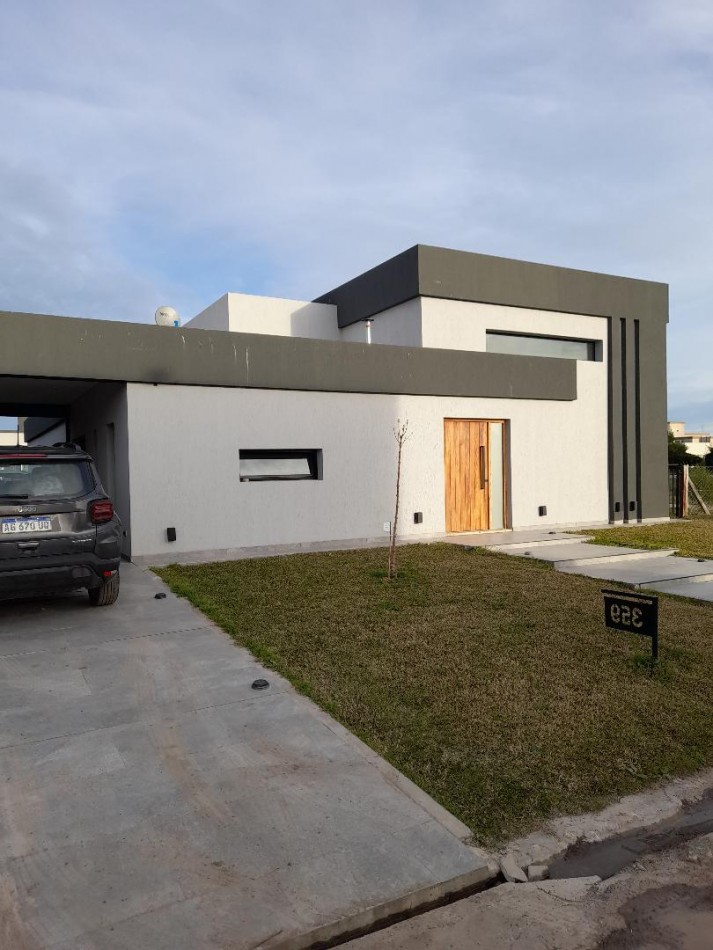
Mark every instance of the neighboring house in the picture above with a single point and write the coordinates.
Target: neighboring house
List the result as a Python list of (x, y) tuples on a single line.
[(43, 431), (535, 396), (9, 437), (697, 443)]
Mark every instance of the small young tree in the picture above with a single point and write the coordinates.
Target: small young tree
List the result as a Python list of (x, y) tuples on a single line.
[(401, 433)]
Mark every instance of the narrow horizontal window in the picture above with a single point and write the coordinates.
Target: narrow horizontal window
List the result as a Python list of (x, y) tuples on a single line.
[(262, 465), (525, 344)]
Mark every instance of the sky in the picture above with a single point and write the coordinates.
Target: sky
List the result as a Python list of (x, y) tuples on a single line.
[(165, 153)]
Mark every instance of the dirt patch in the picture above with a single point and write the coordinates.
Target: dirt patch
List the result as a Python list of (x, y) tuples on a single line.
[(677, 917)]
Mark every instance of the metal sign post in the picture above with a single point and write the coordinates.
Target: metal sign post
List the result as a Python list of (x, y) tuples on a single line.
[(633, 613)]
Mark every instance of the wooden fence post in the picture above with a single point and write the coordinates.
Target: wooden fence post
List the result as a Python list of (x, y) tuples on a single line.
[(684, 492)]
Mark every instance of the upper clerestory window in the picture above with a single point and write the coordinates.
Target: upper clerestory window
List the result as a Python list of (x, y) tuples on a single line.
[(525, 344)]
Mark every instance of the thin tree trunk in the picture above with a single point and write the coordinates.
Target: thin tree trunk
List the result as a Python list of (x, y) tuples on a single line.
[(395, 522), (400, 433)]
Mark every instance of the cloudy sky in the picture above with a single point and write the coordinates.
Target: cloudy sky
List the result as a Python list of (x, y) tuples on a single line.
[(166, 152)]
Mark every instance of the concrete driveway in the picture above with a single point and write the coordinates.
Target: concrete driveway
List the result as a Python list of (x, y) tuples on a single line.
[(151, 799)]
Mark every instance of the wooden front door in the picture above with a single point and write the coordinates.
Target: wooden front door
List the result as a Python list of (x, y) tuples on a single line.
[(467, 460)]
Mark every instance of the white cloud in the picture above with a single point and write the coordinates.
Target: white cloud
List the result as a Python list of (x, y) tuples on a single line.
[(168, 152)]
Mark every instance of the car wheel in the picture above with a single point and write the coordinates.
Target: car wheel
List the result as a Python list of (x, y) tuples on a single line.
[(105, 595)]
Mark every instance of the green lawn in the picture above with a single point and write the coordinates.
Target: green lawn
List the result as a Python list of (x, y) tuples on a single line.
[(690, 538), (488, 680)]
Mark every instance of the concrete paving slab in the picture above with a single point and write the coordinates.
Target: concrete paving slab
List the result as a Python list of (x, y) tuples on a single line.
[(30, 625), (580, 552), (695, 588), (653, 569), (513, 539), (150, 798), (643, 572)]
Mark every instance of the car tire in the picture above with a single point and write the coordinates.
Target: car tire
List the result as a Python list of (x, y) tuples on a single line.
[(107, 594)]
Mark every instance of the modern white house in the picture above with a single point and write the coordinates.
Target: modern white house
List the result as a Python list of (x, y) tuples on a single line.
[(534, 395)]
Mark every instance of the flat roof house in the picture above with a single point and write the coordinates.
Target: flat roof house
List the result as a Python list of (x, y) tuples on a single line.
[(697, 443), (535, 395)]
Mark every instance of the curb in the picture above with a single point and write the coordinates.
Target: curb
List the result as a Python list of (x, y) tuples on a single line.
[(629, 814), (391, 912)]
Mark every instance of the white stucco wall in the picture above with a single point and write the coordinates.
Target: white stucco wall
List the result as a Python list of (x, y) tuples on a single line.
[(184, 445), (214, 317), (423, 321), (460, 325), (247, 313), (100, 418), (397, 326)]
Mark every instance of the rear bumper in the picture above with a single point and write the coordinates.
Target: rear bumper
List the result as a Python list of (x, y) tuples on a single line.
[(46, 575)]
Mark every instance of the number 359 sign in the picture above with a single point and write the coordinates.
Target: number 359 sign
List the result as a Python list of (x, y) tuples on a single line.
[(633, 613)]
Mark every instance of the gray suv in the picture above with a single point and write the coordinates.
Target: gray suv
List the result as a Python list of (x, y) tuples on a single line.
[(58, 527)]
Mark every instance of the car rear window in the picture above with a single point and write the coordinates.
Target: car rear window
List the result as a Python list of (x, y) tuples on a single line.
[(44, 478)]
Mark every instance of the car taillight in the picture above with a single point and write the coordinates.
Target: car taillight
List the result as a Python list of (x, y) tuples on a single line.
[(101, 511)]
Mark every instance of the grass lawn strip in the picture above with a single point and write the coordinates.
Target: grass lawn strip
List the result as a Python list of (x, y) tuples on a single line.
[(488, 680), (690, 538)]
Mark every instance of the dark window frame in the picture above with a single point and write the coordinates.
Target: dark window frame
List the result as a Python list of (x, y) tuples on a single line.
[(312, 456)]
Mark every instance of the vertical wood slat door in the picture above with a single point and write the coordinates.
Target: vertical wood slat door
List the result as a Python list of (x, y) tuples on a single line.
[(467, 463)]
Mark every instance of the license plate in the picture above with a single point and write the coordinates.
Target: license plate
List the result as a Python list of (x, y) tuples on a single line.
[(25, 525)]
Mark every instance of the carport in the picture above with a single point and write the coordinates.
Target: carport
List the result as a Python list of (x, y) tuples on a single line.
[(42, 404), (56, 409), (76, 370)]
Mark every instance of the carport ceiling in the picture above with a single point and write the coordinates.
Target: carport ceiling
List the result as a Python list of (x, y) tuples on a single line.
[(37, 396)]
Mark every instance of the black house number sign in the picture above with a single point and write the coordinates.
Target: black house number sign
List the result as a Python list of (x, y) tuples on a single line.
[(633, 613)]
